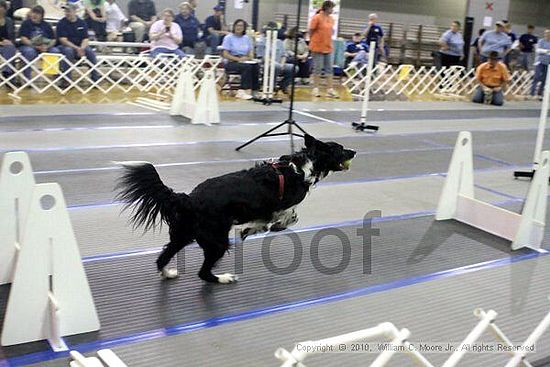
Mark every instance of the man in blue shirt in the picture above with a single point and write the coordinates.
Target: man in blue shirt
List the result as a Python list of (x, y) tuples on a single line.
[(356, 51), (214, 29), (374, 32), (541, 63), (72, 34), (527, 44), (189, 27), (497, 40), (452, 46), (36, 37)]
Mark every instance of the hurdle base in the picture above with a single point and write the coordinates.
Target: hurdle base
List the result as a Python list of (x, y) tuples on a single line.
[(361, 126), (267, 101), (525, 174)]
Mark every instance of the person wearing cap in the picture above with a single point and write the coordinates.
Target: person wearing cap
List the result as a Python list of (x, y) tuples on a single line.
[(142, 15), (36, 37), (527, 43), (189, 25), (356, 51), (541, 63), (214, 31), (72, 35), (452, 46), (496, 40), (492, 76), (165, 35)]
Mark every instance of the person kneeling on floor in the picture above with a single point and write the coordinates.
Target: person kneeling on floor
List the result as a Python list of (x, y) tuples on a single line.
[(492, 77)]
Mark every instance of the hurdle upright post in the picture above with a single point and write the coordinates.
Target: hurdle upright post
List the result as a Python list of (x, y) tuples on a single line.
[(366, 93), (540, 133)]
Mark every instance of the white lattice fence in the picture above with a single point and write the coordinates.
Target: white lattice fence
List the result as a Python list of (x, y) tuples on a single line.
[(427, 81), (125, 73)]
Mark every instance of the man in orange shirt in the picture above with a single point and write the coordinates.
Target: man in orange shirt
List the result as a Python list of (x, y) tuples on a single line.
[(492, 77)]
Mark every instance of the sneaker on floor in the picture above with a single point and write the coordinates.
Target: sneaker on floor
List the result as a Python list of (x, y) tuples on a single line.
[(315, 92), (241, 94), (331, 93)]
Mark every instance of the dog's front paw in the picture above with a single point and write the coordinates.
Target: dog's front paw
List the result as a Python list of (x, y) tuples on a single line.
[(277, 227), (169, 273), (227, 278)]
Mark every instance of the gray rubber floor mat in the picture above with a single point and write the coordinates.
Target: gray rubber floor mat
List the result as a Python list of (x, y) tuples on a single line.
[(131, 298), (375, 115), (96, 187), (206, 152), (22, 123)]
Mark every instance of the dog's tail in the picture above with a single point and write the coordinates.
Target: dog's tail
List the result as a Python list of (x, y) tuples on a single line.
[(141, 189)]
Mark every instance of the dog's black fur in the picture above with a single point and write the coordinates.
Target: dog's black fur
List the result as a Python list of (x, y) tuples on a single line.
[(214, 206)]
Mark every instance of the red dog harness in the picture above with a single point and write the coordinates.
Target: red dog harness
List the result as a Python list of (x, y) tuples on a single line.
[(281, 177)]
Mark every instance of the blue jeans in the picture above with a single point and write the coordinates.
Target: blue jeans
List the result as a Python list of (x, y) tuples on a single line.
[(71, 55), (479, 97), (213, 41), (540, 76), (7, 52), (161, 50), (30, 53)]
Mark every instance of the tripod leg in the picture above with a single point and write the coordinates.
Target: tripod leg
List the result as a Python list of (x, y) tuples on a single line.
[(260, 136)]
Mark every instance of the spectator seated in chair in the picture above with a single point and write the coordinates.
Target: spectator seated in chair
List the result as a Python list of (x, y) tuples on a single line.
[(166, 35), (116, 20), (304, 62), (356, 51), (142, 15), (282, 67), (214, 29), (95, 18), (72, 34), (7, 37), (190, 27), (238, 53), (37, 36), (492, 76)]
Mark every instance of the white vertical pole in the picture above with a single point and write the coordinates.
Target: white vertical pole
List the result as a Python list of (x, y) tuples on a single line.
[(542, 122), (273, 60), (267, 54), (366, 94)]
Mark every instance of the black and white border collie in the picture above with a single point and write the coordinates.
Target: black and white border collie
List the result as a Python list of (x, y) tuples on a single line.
[(261, 198)]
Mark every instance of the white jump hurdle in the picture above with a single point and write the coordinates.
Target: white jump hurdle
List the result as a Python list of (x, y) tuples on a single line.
[(16, 185), (208, 109), (457, 201), (50, 296)]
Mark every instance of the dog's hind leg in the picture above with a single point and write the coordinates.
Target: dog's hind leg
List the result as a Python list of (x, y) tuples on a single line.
[(213, 252), (176, 244)]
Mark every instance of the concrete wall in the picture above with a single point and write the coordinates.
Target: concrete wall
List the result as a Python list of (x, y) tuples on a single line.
[(433, 12)]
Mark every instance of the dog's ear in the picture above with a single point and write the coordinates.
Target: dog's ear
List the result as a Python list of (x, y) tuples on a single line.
[(310, 141)]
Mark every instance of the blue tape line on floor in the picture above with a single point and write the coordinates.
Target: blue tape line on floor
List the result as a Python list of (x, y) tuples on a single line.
[(218, 321)]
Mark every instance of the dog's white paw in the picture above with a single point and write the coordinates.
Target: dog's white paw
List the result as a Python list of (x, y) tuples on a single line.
[(169, 273), (227, 278)]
